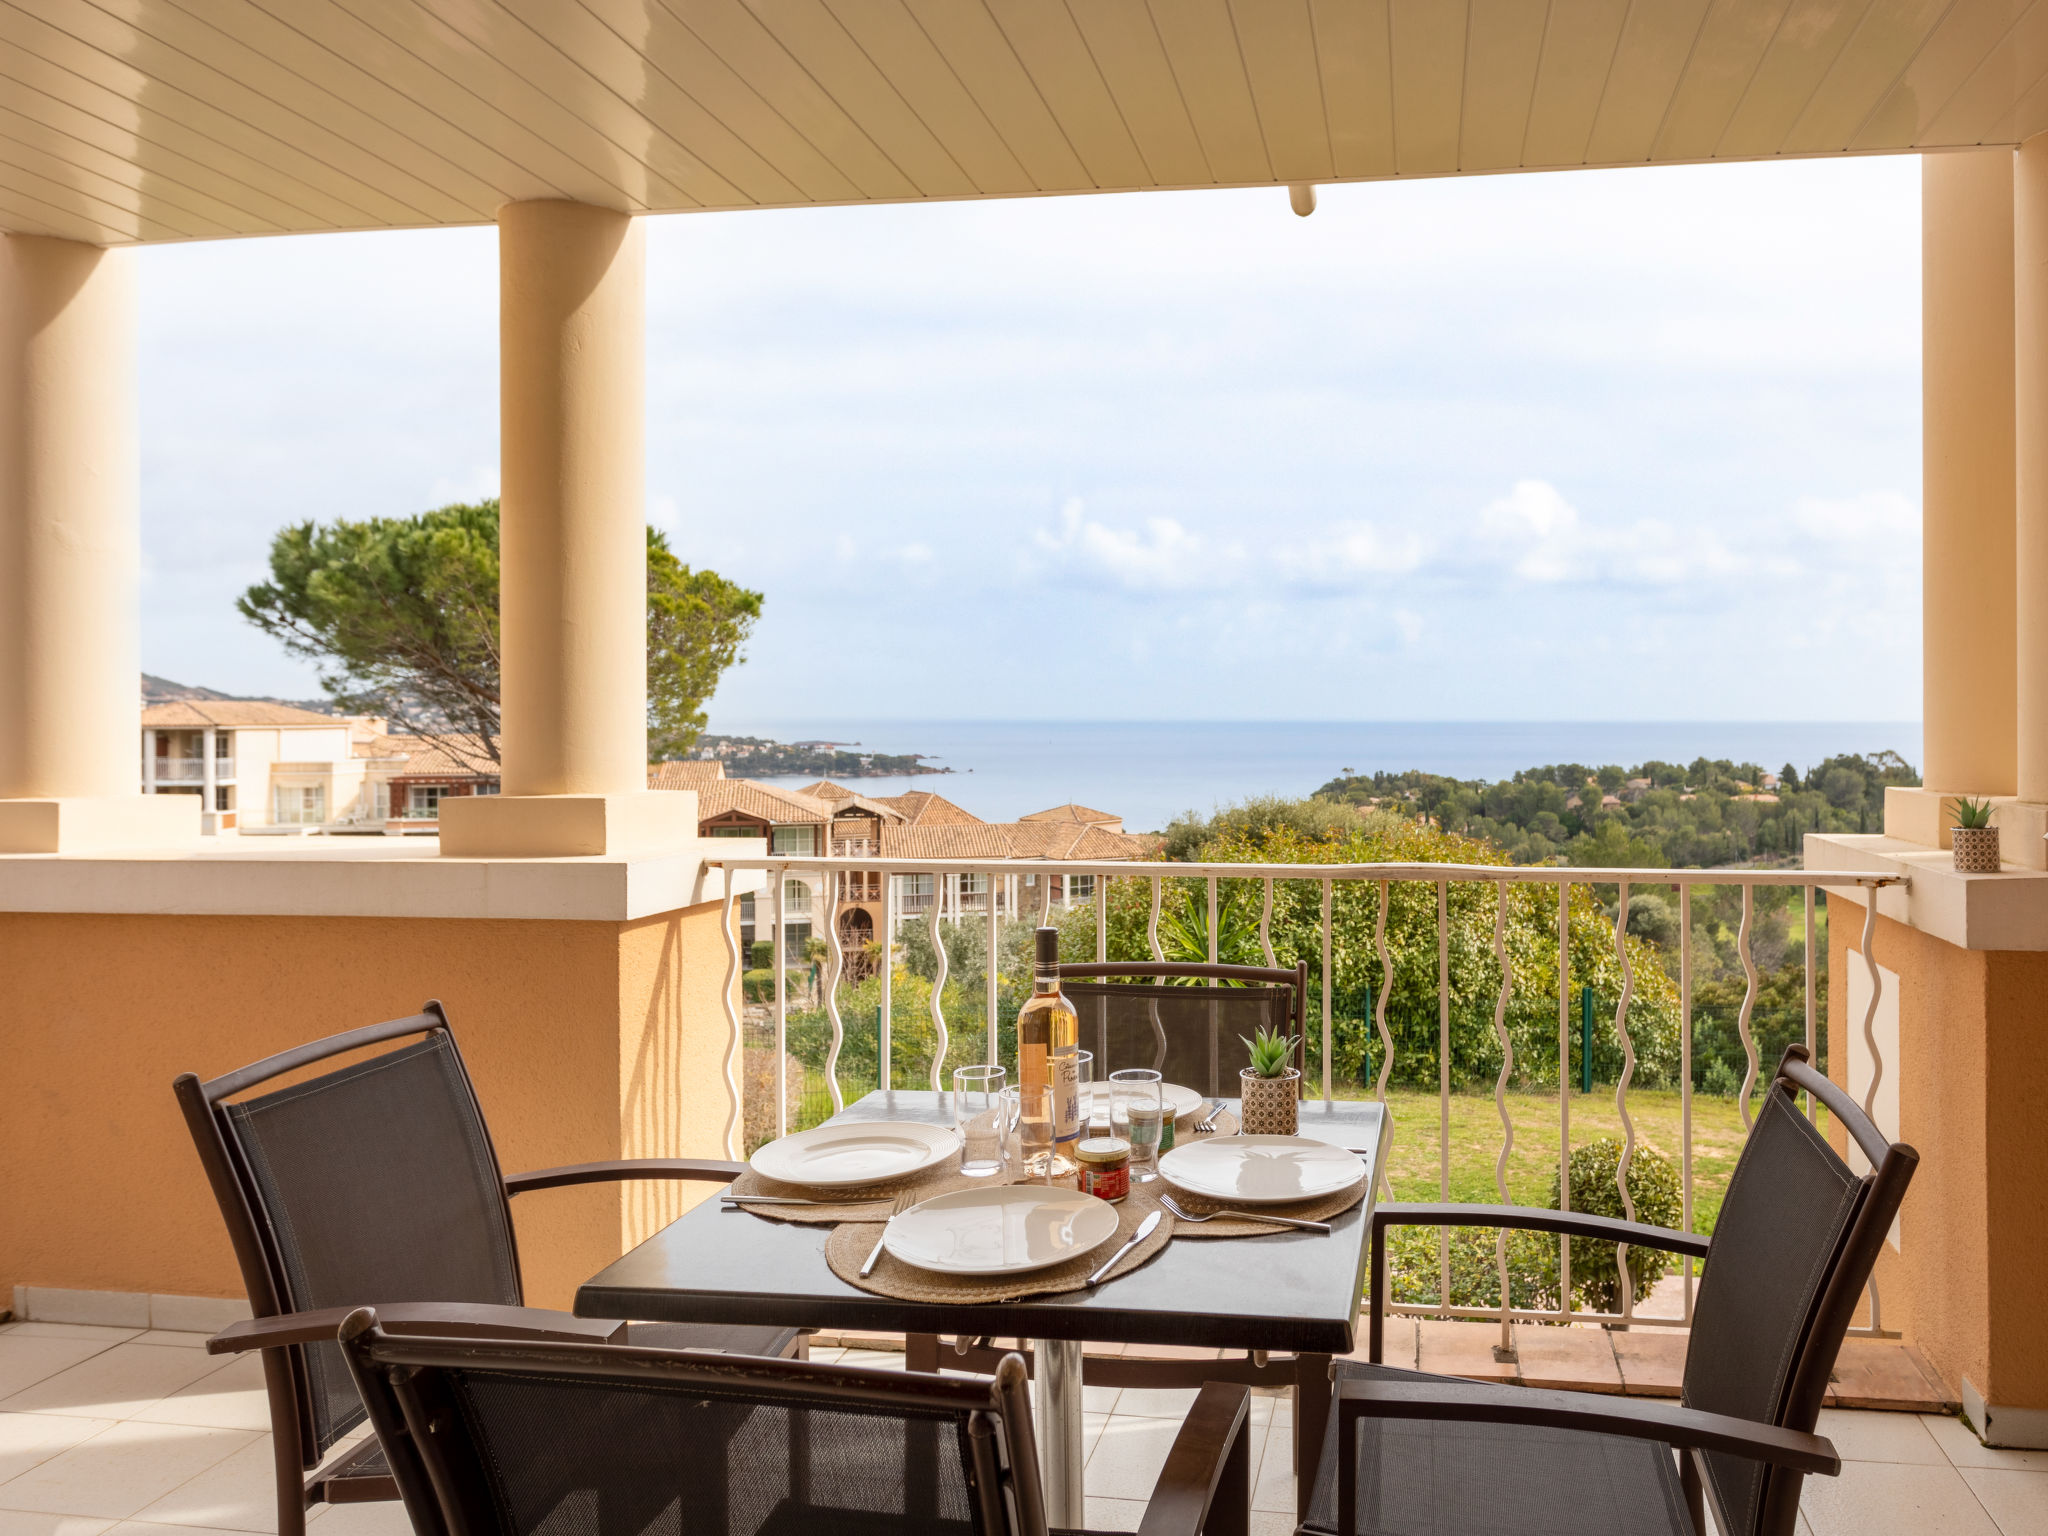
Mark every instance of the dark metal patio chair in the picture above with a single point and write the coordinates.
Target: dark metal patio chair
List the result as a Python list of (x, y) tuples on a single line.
[(1791, 1251), (1188, 1023), (377, 1183), (490, 1437)]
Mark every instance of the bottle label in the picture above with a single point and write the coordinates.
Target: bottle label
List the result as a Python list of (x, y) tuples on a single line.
[(1066, 1098)]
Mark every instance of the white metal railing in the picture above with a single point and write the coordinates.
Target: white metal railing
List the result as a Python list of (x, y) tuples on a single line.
[(192, 770), (944, 903)]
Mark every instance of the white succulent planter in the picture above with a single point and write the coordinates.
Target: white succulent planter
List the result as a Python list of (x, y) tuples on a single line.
[(1269, 1106), (1976, 850)]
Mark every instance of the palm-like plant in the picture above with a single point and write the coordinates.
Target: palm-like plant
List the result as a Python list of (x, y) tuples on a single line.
[(1972, 815), (1184, 930), (1271, 1051)]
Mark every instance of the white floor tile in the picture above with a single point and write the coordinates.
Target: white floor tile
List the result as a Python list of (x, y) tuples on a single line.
[(1156, 1402), (1129, 1456), (121, 1469), (1273, 1479), (1861, 1435), (30, 1439), (2017, 1501), (145, 1528), (1872, 1499), (1266, 1522), (116, 1383), (96, 1332), (1962, 1446), (15, 1522), (1113, 1514), (231, 1397), (1100, 1399), (26, 1359), (384, 1518), (238, 1493), (173, 1336), (874, 1359)]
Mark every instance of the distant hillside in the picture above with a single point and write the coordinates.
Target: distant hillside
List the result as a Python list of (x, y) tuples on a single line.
[(756, 757), (161, 690)]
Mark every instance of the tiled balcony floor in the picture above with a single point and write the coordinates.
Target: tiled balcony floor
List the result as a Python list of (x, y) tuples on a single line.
[(145, 1434)]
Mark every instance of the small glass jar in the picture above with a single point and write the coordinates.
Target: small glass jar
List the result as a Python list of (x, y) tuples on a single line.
[(1105, 1167)]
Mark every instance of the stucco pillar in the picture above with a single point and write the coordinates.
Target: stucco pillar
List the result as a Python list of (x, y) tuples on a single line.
[(70, 556), (2030, 400), (573, 545)]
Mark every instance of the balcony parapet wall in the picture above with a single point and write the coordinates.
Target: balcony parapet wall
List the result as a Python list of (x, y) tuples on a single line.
[(2005, 911)]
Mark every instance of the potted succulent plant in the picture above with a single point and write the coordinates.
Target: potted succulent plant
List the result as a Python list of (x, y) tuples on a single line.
[(1974, 839), (1269, 1089)]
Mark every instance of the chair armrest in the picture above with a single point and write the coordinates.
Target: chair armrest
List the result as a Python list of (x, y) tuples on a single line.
[(704, 1168), (1635, 1418), (1535, 1219), (1208, 1466), (440, 1319)]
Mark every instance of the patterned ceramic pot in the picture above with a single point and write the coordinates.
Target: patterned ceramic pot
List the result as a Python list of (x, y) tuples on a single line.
[(1976, 850), (1270, 1105)]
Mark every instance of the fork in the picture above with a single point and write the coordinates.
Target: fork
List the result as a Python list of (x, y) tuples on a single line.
[(738, 1200), (1282, 1221), (1206, 1126), (904, 1202)]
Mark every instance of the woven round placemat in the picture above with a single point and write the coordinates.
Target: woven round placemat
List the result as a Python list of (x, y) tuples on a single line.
[(1225, 1226), (849, 1245), (869, 1203)]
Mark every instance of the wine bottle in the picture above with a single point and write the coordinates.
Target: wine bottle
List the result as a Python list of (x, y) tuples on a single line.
[(1048, 1046)]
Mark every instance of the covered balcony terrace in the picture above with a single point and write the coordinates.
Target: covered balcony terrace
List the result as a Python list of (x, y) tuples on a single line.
[(584, 938)]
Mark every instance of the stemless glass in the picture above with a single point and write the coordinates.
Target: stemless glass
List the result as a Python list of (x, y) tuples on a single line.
[(1030, 1116), (978, 1116), (1084, 1079), (1139, 1116)]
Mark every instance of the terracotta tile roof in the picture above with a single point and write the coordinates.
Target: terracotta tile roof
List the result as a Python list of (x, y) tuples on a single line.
[(684, 772), (195, 714), (977, 840), (772, 804), (1008, 840), (1073, 812), (825, 789), (450, 757), (922, 808)]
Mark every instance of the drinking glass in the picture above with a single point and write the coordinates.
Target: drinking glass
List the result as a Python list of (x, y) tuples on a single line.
[(1030, 1116), (1094, 1108), (1139, 1113), (979, 1117)]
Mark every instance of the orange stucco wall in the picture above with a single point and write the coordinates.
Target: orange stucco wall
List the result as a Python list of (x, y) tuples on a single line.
[(1969, 1281), (586, 1039)]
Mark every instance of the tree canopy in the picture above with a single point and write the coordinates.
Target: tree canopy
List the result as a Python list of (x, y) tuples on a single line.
[(401, 616)]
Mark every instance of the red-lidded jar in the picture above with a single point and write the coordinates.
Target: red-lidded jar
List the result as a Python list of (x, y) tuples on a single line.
[(1105, 1167)]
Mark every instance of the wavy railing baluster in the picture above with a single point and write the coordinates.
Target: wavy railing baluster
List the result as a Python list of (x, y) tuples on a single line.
[(1266, 923), (885, 1045), (1044, 878), (1748, 1000), (1685, 1075), (1628, 1072), (1101, 919), (1379, 1092), (989, 969), (1158, 954), (943, 1041), (1564, 1092), (1876, 1057), (1812, 1049), (1329, 946), (1500, 1104), (1215, 923), (733, 1045), (824, 894), (1443, 1088), (781, 878), (1152, 924)]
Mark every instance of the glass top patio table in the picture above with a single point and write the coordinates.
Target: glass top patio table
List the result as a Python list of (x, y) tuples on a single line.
[(1291, 1292)]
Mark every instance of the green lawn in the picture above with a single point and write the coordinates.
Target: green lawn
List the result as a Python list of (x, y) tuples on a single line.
[(1413, 1165)]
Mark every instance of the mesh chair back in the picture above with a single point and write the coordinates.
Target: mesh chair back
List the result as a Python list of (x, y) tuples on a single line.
[(375, 1183), (1777, 1248), (1191, 1035), (554, 1440)]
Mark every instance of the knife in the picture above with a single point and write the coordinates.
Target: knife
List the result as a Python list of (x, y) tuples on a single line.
[(1144, 1231)]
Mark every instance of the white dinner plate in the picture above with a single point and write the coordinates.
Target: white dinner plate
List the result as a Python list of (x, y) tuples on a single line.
[(1004, 1230), (1261, 1170), (860, 1152), (1182, 1101)]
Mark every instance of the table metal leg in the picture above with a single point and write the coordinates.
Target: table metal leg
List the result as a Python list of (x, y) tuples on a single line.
[(1313, 1391), (1056, 1396)]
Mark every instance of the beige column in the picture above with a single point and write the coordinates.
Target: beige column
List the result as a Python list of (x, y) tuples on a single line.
[(2030, 400), (70, 556), (573, 545)]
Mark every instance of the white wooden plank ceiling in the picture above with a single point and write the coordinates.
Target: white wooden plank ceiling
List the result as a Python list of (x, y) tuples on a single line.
[(150, 120)]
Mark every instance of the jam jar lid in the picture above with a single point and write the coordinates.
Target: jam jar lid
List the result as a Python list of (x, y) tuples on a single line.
[(1103, 1149)]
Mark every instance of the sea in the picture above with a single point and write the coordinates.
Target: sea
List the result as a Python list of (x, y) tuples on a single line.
[(1148, 772)]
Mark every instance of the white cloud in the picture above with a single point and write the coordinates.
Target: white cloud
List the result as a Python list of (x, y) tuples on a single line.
[(1162, 557)]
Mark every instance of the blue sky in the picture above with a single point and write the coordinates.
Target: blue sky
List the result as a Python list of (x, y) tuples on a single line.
[(1631, 444)]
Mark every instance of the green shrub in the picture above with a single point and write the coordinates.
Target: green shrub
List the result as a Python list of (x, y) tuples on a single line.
[(762, 957), (1652, 1185), (759, 986), (1414, 1275)]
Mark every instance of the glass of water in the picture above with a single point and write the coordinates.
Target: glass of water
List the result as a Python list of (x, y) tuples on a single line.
[(1139, 1111), (978, 1114)]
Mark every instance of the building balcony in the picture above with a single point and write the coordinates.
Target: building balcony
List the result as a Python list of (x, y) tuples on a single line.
[(192, 770)]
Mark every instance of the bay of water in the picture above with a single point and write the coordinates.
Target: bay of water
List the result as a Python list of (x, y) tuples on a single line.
[(1149, 772)]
